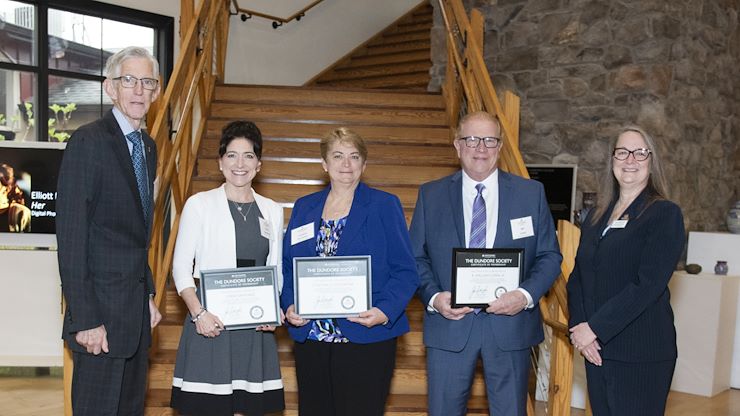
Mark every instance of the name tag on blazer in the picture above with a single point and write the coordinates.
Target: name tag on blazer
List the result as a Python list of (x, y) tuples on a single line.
[(619, 224), (302, 233), (521, 228), (265, 228)]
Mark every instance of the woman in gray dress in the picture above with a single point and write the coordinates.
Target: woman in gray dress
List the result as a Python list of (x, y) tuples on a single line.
[(220, 372)]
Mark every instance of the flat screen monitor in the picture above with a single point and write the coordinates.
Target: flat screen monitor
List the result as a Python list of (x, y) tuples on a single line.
[(560, 188), (28, 181)]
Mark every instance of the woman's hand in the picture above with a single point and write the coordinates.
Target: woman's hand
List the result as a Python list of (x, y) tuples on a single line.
[(370, 318), (209, 325), (581, 335), (591, 353), (293, 318)]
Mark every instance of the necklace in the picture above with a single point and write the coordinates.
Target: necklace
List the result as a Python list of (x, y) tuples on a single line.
[(239, 209)]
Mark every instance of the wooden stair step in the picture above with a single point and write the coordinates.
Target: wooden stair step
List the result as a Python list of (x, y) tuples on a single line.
[(411, 46), (378, 71), (419, 80), (385, 59), (408, 36), (410, 27), (312, 173), (378, 153), (318, 96), (397, 405), (409, 135), (310, 114)]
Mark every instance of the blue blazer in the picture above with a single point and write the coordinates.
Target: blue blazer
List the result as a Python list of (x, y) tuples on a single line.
[(375, 226), (620, 281), (438, 226)]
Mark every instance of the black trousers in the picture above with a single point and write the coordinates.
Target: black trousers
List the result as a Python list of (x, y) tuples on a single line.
[(344, 379), (103, 386), (636, 389)]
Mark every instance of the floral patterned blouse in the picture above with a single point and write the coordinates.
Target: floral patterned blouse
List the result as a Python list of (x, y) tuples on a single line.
[(326, 330)]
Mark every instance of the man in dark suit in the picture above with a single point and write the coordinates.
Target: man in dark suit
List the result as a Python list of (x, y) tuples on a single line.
[(481, 207), (104, 216)]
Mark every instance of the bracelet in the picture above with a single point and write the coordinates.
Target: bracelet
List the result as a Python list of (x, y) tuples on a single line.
[(199, 315)]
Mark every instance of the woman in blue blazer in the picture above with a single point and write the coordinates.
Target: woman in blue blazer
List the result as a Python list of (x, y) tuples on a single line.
[(620, 314), (344, 366)]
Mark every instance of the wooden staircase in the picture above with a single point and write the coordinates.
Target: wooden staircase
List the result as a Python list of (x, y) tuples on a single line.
[(408, 144), (397, 58)]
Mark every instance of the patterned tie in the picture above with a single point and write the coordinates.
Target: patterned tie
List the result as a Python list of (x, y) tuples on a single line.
[(478, 222), (137, 159)]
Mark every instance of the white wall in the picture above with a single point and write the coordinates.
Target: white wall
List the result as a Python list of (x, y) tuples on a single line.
[(297, 51)]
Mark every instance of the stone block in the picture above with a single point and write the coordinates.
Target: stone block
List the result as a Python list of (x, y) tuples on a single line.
[(523, 80), (551, 110), (659, 80), (541, 6), (665, 26), (632, 31), (616, 55), (552, 25), (596, 34), (518, 59), (593, 11), (519, 34), (585, 71), (652, 50), (575, 87), (628, 78), (597, 113), (549, 90)]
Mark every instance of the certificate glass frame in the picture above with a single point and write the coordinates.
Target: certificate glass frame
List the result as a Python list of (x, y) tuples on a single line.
[(481, 275), (243, 297), (332, 287)]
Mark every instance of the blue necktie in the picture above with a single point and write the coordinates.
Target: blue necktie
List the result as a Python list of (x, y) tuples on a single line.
[(478, 221), (478, 224), (137, 159)]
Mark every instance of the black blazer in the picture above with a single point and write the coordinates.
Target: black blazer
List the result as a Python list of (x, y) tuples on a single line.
[(102, 237), (620, 281)]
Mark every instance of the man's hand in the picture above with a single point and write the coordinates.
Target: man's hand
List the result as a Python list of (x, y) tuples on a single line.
[(510, 303), (370, 318), (154, 315), (94, 340), (293, 318), (443, 304)]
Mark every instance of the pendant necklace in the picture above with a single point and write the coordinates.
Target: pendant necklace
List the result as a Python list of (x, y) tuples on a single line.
[(239, 209)]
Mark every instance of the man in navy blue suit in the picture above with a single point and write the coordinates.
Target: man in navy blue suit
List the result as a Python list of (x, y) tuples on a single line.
[(504, 211)]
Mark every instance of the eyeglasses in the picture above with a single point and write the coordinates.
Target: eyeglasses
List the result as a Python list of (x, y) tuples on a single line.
[(129, 81), (489, 142), (620, 153)]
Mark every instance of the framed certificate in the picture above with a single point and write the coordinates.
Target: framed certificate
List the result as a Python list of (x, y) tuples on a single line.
[(481, 275), (245, 297), (332, 287)]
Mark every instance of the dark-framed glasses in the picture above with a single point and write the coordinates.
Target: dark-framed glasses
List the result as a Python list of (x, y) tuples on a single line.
[(129, 81), (489, 142), (620, 153)]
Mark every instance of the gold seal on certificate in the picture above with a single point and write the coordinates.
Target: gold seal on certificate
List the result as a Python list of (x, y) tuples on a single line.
[(332, 287), (481, 275), (245, 297)]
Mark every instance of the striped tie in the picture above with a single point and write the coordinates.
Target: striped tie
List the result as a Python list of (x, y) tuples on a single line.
[(478, 222), (137, 159)]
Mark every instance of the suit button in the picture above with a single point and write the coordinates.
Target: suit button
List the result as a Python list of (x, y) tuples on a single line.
[(141, 279)]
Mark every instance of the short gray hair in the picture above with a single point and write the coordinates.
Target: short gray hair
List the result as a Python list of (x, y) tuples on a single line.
[(113, 65)]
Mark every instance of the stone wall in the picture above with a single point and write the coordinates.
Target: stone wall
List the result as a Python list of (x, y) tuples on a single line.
[(584, 68)]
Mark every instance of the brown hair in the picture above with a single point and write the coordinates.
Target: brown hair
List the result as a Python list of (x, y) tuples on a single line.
[(657, 186)]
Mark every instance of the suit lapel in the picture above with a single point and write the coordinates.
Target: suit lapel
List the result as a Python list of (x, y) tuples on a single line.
[(503, 227), (356, 218), (455, 193), (120, 149)]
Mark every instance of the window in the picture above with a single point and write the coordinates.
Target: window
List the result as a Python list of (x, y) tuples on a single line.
[(52, 56)]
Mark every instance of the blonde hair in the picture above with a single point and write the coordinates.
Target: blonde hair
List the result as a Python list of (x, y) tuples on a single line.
[(346, 136), (476, 115), (657, 186)]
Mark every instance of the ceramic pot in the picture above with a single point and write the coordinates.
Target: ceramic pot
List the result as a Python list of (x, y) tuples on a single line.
[(721, 268)]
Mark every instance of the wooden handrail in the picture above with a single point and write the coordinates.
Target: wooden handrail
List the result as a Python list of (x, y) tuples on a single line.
[(468, 88), (295, 16), (177, 121)]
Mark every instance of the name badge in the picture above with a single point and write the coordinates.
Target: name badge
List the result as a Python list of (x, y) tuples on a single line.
[(521, 228), (302, 233), (619, 224), (265, 229)]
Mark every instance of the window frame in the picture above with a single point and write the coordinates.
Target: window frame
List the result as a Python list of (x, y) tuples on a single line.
[(162, 25)]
